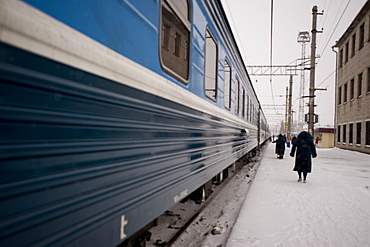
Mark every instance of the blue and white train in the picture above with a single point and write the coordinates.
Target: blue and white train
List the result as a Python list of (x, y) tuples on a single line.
[(113, 111)]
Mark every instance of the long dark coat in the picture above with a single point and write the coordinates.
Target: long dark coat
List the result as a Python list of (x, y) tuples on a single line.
[(305, 149), (280, 145)]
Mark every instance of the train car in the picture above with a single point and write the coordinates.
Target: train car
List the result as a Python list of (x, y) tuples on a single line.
[(111, 112)]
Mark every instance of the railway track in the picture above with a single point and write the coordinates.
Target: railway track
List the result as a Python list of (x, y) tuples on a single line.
[(191, 224)]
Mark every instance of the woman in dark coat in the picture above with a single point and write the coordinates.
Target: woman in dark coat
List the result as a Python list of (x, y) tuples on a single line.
[(305, 149), (280, 146)]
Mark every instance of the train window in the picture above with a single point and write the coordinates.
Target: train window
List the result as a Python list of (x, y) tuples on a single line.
[(175, 37), (227, 81), (255, 115), (250, 110), (243, 103), (252, 114), (247, 107), (210, 73), (237, 86)]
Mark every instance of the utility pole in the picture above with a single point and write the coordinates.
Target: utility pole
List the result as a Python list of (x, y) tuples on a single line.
[(311, 105), (290, 107), (286, 111)]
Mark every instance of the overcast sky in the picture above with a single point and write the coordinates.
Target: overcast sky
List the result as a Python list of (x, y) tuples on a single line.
[(250, 21)]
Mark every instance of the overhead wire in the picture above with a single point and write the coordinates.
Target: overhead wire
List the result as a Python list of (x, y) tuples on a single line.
[(332, 33), (271, 46), (236, 30), (327, 11)]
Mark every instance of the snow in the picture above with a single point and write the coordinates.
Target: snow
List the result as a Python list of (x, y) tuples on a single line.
[(331, 209), (268, 207), (213, 225)]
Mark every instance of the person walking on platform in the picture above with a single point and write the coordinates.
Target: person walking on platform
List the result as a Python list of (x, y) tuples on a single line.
[(280, 146), (305, 149)]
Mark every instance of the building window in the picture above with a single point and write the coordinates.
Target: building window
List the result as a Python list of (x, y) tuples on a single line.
[(352, 89), (175, 37), (345, 93), (359, 85), (237, 86), (362, 36), (368, 80), (347, 52), (368, 37), (340, 95), (368, 30), (341, 58), (344, 133), (358, 133), (353, 44), (338, 134), (227, 82), (367, 133), (210, 77), (350, 137)]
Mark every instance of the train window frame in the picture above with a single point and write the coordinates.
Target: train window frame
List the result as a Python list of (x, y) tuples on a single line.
[(237, 95), (243, 102), (210, 66), (247, 107), (175, 24), (227, 84)]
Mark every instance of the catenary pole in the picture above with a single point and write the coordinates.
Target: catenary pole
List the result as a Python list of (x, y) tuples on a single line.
[(290, 107), (311, 105)]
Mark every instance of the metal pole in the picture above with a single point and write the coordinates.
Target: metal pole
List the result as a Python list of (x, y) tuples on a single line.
[(259, 128), (303, 38), (336, 97), (286, 111), (311, 110), (290, 107)]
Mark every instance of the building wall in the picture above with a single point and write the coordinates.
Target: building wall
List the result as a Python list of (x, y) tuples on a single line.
[(324, 138), (353, 89), (327, 140)]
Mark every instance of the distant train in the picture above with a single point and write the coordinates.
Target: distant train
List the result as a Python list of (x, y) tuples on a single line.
[(113, 111)]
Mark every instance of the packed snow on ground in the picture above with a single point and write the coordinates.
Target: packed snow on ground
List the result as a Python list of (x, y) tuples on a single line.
[(331, 209), (213, 225), (273, 209)]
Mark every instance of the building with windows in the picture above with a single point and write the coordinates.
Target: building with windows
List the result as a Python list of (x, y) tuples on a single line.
[(353, 85)]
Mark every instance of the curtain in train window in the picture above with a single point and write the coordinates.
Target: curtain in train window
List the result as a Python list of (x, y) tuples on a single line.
[(227, 81), (175, 37), (210, 73)]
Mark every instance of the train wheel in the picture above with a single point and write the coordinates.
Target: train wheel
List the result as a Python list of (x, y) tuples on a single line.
[(203, 195), (219, 178), (200, 195)]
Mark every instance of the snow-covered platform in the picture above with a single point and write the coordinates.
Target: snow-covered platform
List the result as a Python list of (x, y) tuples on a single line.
[(331, 209)]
